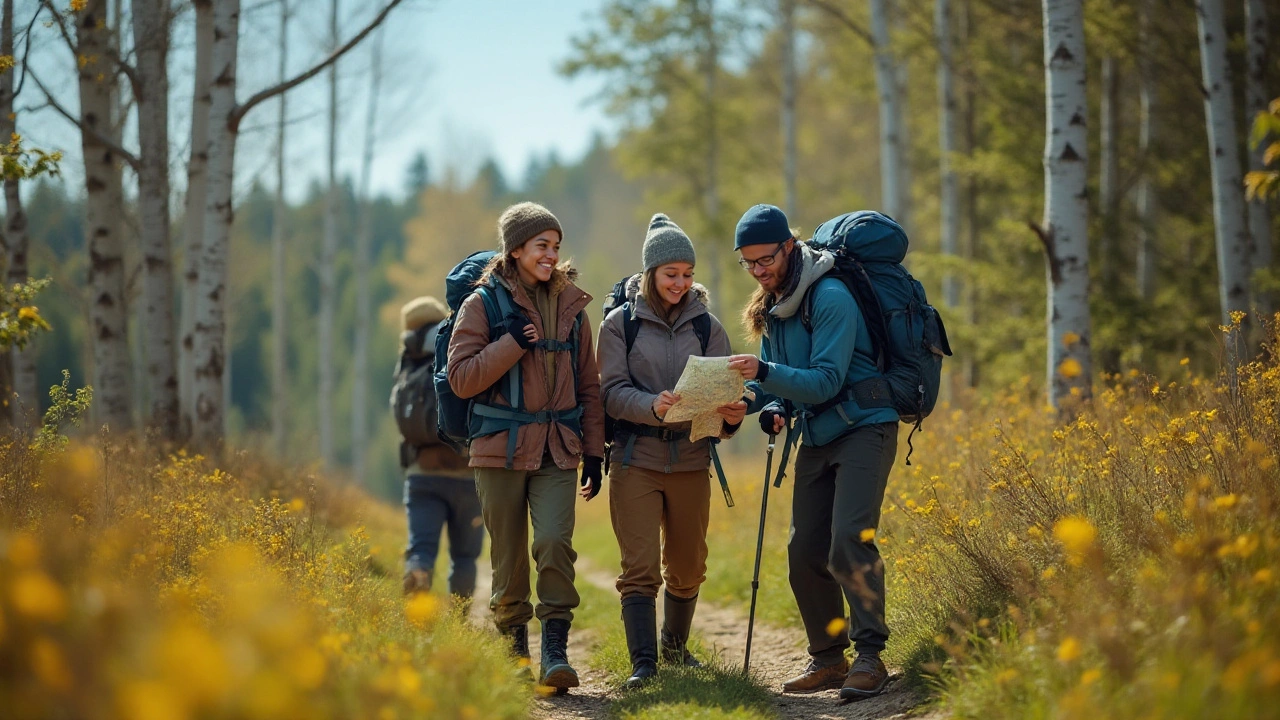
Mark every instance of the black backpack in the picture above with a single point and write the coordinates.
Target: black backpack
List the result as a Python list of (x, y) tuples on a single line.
[(413, 395), (462, 420)]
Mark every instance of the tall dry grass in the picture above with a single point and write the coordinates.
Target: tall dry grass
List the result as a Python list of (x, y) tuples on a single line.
[(138, 586)]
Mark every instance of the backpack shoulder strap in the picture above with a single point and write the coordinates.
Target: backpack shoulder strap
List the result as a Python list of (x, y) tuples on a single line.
[(702, 328), (630, 326)]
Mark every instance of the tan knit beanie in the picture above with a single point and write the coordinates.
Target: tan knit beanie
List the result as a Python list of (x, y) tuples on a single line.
[(422, 311), (523, 221)]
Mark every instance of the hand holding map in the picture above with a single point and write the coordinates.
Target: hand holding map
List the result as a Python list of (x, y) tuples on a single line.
[(706, 384)]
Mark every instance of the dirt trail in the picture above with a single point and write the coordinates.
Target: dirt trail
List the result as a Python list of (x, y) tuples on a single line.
[(776, 655)]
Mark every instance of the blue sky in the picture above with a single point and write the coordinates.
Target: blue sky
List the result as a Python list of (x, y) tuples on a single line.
[(466, 80)]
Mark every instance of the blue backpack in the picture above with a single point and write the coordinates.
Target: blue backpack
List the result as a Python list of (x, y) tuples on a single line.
[(462, 420), (907, 334)]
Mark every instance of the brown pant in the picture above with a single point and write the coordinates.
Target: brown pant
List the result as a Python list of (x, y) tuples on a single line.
[(660, 520)]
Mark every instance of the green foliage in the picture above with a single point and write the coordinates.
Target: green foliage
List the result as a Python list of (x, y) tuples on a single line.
[(19, 319), (1265, 184), (24, 163), (65, 409)]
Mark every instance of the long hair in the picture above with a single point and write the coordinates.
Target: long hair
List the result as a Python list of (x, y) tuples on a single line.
[(504, 266), (649, 291)]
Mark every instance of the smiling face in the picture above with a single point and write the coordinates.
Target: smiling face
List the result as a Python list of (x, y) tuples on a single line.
[(537, 258), (672, 281), (771, 277)]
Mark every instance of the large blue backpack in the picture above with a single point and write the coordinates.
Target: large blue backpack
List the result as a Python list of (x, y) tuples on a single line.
[(907, 333), (462, 420)]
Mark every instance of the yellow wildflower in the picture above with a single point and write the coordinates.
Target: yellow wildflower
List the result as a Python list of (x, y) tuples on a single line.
[(1076, 536), (1069, 650), (1090, 676), (38, 597), (50, 665), (837, 626), (1006, 675), (867, 535), (422, 608), (1226, 502), (1070, 368)]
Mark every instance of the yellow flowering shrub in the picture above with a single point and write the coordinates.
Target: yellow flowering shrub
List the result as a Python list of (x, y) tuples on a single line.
[(137, 586)]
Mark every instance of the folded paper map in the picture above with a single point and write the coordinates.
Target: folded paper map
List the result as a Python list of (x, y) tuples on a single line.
[(706, 384)]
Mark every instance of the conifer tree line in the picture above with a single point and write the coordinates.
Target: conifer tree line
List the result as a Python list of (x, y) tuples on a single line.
[(1071, 174)]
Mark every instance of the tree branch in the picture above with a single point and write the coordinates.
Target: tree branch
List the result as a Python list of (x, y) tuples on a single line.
[(1050, 250), (97, 136), (844, 19), (287, 85)]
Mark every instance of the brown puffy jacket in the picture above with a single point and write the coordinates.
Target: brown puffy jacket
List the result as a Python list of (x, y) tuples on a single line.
[(475, 365), (630, 382)]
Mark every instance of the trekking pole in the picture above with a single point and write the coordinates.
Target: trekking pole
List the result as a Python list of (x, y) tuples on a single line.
[(755, 578)]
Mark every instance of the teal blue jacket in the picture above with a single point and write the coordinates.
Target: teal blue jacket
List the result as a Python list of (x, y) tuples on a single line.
[(809, 368)]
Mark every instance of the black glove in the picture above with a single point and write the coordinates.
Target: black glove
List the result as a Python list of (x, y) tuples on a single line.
[(592, 475), (516, 323), (767, 416)]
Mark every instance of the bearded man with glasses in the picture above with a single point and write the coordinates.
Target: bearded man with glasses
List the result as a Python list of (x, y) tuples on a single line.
[(815, 357)]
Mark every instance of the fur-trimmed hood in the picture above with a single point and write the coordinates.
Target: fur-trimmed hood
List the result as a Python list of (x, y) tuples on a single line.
[(504, 271)]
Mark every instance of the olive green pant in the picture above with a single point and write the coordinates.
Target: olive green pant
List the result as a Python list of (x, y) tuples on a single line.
[(839, 488), (509, 500), (660, 520)]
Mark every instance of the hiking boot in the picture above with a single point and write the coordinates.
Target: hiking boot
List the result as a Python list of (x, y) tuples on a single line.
[(518, 636), (556, 672), (817, 678), (639, 618), (677, 619), (867, 678), (417, 580)]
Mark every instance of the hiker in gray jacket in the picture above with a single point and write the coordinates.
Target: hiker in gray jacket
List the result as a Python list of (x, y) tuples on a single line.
[(660, 487)]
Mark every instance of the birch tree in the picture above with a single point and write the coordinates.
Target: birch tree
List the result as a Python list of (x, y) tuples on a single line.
[(104, 197), (193, 221), (225, 117), (787, 11), (151, 28), (1066, 210), (1146, 136), (279, 307), (364, 299), (328, 258), (1234, 252), (710, 69), (891, 151), (15, 241), (949, 195), (1255, 103)]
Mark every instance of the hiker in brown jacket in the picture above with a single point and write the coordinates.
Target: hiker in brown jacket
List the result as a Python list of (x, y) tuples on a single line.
[(534, 476), (661, 487)]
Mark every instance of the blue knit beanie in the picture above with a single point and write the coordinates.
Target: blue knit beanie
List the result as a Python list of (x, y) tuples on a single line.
[(761, 225)]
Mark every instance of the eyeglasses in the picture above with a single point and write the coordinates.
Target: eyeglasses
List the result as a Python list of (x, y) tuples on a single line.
[(766, 261)]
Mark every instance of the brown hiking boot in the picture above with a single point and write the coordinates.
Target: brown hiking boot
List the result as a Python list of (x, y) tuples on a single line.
[(867, 679), (817, 678), (417, 580)]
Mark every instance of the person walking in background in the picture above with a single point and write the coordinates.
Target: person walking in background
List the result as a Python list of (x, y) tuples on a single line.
[(661, 490), (816, 365), (533, 433), (439, 487)]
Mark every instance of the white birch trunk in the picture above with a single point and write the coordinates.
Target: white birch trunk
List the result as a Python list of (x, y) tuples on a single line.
[(1234, 252), (151, 45), (711, 67), (328, 271), (902, 78), (949, 195), (364, 300), (193, 213), (25, 410), (891, 200), (211, 268), (279, 321), (787, 10), (1146, 136), (112, 383), (1256, 102), (1066, 211)]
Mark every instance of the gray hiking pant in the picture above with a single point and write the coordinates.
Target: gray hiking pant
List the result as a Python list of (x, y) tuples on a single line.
[(839, 489)]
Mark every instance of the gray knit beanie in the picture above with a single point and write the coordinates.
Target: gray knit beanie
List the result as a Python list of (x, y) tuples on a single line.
[(522, 222), (666, 243)]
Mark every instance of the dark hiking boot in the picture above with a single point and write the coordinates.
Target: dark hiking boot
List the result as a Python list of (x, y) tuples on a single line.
[(417, 580), (817, 678), (677, 620), (867, 679), (639, 618), (518, 636), (556, 671)]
